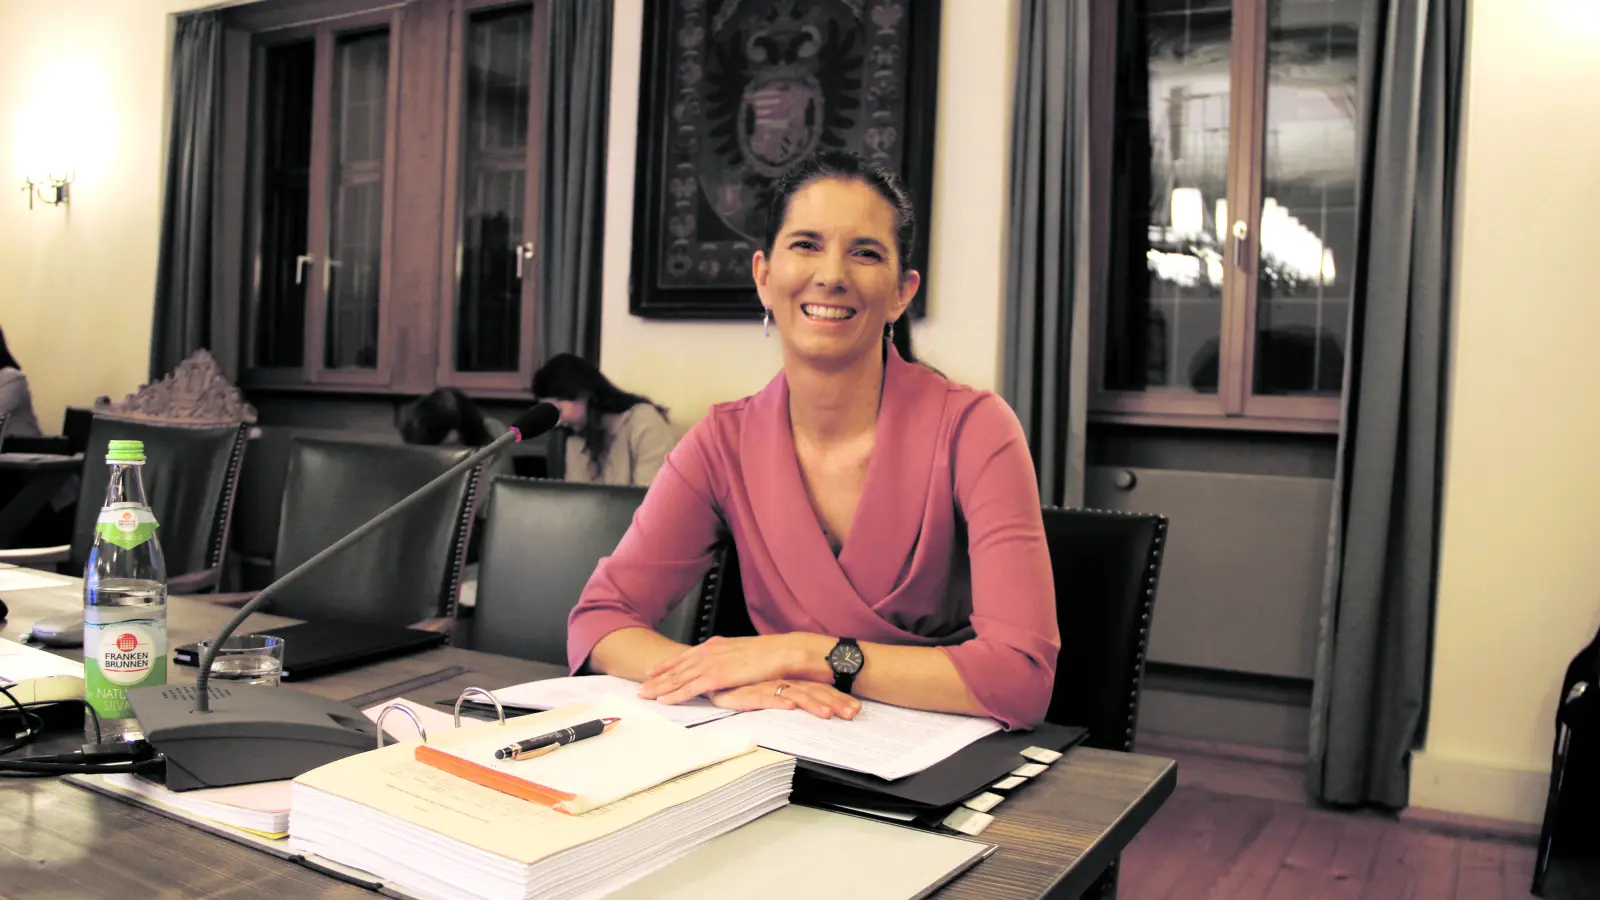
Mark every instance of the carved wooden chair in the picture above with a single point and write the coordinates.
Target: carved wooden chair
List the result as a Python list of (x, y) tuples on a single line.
[(195, 425)]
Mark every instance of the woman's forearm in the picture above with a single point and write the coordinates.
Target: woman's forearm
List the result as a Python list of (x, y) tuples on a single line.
[(631, 652), (915, 677)]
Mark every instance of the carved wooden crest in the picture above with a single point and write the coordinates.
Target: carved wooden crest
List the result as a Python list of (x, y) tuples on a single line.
[(196, 391)]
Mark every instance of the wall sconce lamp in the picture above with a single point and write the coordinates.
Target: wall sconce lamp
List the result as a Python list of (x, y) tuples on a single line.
[(47, 139), (48, 188)]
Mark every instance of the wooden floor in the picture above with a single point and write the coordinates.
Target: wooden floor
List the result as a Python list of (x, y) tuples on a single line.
[(1240, 829)]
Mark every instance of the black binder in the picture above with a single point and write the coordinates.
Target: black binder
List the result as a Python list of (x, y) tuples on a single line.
[(968, 772), (317, 648)]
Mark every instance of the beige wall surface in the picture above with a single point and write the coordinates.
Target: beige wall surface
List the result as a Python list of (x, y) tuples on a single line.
[(79, 281), (1519, 571)]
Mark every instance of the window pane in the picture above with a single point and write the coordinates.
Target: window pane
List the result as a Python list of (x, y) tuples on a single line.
[(1164, 318), (285, 141), (494, 160), (360, 106), (1308, 189)]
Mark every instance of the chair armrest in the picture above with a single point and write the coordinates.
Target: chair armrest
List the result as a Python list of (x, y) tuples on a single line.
[(193, 582), (234, 600), (34, 557)]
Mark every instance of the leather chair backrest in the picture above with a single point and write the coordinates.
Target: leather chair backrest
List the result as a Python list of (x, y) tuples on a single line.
[(541, 543), (190, 477), (1106, 566), (407, 571)]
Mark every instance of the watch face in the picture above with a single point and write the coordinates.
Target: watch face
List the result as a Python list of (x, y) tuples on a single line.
[(845, 658)]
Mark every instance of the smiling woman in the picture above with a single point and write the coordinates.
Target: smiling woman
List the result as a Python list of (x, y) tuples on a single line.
[(887, 520)]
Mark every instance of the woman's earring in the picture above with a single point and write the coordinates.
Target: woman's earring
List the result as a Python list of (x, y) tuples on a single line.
[(766, 321), (889, 335)]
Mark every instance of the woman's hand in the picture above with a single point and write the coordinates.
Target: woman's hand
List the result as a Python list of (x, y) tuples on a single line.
[(720, 664), (821, 700)]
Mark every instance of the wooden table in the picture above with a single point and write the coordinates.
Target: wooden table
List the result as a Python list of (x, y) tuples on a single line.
[(60, 841)]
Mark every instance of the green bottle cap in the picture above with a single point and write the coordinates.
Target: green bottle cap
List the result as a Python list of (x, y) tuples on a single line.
[(124, 451)]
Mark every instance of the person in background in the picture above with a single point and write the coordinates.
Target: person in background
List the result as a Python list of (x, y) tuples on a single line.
[(16, 403), (887, 519), (617, 437), (448, 417)]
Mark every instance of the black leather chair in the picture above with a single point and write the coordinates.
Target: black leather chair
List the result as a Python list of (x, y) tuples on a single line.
[(190, 477), (1106, 566), (541, 543), (406, 572), (1567, 856)]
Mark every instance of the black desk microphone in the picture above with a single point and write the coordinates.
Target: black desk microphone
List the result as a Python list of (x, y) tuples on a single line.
[(239, 734)]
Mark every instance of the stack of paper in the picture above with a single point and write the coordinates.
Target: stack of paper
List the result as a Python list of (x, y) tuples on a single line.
[(553, 693), (887, 741), (437, 836), (641, 751), (261, 808)]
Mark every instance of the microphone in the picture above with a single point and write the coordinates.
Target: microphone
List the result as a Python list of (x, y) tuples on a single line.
[(258, 733)]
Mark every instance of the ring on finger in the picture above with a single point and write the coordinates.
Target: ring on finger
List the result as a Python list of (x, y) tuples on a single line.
[(778, 692)]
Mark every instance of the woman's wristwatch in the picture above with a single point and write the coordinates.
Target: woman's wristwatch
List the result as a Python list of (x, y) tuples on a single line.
[(846, 660)]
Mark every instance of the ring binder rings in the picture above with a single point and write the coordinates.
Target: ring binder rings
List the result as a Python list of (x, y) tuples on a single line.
[(460, 699), (423, 732), (393, 707)]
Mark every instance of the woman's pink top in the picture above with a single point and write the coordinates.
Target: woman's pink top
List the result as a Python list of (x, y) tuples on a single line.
[(906, 574)]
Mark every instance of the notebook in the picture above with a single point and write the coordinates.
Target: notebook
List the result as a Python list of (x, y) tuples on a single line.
[(642, 750), (317, 648)]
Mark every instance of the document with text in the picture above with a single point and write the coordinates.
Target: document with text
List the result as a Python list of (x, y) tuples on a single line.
[(887, 741)]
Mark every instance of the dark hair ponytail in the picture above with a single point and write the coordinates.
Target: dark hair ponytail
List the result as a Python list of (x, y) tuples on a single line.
[(851, 167)]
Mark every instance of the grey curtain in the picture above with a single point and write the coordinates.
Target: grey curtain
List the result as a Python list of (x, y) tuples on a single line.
[(1377, 611), (183, 268), (573, 195), (1045, 349)]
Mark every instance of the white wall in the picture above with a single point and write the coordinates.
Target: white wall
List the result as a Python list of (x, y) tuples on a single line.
[(688, 366), (1519, 579), (79, 281)]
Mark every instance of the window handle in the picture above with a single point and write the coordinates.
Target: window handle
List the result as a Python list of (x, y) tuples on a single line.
[(328, 266), (524, 251), (1241, 233), (300, 267)]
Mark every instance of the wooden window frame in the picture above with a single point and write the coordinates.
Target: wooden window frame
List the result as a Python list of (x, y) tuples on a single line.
[(520, 382), (1235, 405), (421, 188)]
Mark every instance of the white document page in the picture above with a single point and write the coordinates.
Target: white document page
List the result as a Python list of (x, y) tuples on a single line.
[(554, 693), (887, 741), (400, 728), (20, 662), (15, 579)]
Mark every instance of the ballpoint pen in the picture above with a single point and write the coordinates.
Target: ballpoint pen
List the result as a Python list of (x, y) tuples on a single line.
[(544, 743)]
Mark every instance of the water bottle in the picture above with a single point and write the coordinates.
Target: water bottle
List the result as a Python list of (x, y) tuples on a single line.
[(124, 600)]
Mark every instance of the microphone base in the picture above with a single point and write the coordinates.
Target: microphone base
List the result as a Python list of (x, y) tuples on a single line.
[(252, 733)]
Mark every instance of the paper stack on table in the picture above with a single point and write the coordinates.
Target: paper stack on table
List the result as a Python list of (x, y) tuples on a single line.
[(887, 741), (432, 834), (557, 692), (260, 808)]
